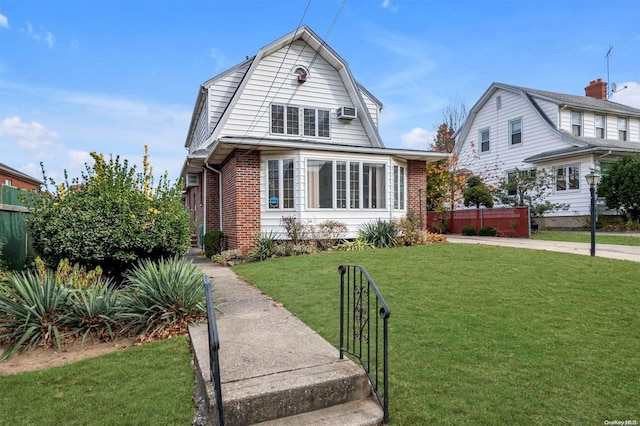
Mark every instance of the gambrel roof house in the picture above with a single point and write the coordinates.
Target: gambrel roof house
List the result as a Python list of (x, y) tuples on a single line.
[(290, 132), (567, 135)]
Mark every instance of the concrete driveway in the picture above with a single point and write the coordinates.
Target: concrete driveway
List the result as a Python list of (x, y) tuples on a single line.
[(612, 251)]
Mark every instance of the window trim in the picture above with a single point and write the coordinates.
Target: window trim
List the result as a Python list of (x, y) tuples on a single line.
[(480, 132), (399, 187), (349, 188), (604, 125), (300, 123), (580, 125), (567, 173), (511, 133), (281, 184), (625, 130)]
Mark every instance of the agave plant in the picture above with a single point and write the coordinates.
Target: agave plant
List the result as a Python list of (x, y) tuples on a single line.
[(96, 310), (33, 311), (163, 295), (380, 233)]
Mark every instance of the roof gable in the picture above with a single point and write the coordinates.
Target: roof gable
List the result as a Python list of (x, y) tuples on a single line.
[(320, 50)]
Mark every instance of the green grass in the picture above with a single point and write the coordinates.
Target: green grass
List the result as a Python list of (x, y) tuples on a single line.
[(487, 335), (579, 237), (144, 385)]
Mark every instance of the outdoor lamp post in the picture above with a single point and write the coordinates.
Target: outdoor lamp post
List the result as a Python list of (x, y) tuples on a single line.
[(593, 179)]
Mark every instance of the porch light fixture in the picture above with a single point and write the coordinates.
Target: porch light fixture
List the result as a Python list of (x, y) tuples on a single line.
[(593, 179)]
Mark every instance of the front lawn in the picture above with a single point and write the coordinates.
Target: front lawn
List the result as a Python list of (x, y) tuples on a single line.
[(581, 237), (486, 335), (150, 384)]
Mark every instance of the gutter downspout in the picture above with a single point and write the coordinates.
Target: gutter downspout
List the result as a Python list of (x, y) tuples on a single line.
[(219, 173)]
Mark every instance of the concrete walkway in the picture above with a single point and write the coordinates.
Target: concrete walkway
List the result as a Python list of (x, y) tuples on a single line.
[(612, 251), (271, 364)]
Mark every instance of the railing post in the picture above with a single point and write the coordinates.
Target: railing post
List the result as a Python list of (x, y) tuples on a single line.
[(360, 332), (214, 346)]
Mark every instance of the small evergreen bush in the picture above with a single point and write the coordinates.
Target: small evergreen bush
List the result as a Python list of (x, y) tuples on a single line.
[(468, 230), (212, 242), (487, 231)]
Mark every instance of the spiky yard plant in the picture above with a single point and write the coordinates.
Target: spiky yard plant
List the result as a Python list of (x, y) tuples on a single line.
[(33, 312), (96, 310), (163, 297), (380, 233)]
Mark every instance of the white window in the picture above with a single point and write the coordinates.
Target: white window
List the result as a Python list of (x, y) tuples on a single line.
[(515, 132), (329, 186), (576, 123), (286, 119), (600, 126), (567, 177), (316, 122), (485, 142), (398, 187), (8, 182), (622, 128), (280, 184)]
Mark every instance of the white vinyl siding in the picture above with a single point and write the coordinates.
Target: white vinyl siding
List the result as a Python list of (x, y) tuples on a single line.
[(220, 92), (271, 83)]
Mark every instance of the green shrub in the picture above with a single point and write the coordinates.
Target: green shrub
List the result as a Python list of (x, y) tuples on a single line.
[(468, 230), (264, 246), (33, 311), (380, 233), (487, 231), (163, 296), (212, 242), (111, 217)]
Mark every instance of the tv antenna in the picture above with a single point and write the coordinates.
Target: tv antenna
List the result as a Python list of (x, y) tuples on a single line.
[(607, 56)]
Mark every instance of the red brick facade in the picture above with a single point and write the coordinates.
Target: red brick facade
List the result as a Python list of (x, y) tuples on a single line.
[(241, 200), (417, 188)]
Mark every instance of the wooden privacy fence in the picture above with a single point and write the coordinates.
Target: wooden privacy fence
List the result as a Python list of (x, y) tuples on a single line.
[(14, 238), (509, 222)]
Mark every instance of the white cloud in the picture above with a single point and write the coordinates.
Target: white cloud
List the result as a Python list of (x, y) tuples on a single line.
[(41, 35), (386, 4), (86, 122), (628, 94), (417, 138), (4, 22), (28, 135)]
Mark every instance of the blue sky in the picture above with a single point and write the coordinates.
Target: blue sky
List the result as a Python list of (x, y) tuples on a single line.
[(113, 75)]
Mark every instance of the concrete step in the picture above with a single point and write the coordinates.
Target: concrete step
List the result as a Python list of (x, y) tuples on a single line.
[(364, 412), (290, 393)]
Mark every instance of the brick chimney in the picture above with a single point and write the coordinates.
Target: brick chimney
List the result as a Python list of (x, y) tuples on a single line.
[(596, 89)]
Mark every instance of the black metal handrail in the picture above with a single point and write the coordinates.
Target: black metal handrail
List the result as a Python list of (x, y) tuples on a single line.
[(360, 337), (214, 346)]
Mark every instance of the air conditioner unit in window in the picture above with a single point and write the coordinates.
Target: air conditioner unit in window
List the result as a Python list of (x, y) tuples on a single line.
[(347, 113), (191, 179)]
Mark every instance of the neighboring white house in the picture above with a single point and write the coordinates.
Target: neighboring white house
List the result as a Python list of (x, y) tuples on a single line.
[(290, 132), (514, 127)]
